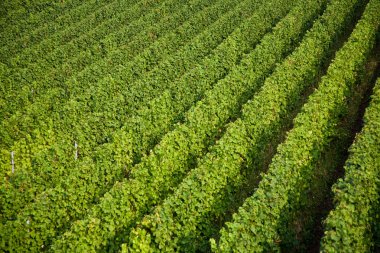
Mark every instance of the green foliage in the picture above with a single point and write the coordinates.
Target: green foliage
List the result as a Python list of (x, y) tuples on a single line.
[(95, 183), (55, 146), (19, 19), (183, 221), (351, 225), (157, 95), (93, 15), (257, 225), (47, 65), (168, 163)]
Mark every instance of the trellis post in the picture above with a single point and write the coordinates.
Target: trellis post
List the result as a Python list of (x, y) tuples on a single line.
[(13, 162)]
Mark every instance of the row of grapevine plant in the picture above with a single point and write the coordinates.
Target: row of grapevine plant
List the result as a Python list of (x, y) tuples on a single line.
[(99, 16), (15, 18), (202, 123), (261, 222), (53, 66), (110, 226), (351, 226), (184, 217), (38, 26), (189, 126), (74, 184), (26, 176), (114, 65)]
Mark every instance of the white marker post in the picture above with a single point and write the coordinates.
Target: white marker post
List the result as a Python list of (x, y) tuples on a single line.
[(13, 162)]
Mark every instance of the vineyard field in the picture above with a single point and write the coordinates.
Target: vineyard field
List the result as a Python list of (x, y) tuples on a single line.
[(190, 126)]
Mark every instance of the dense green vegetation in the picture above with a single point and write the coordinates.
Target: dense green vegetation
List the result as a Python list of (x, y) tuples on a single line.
[(351, 226), (64, 134), (260, 222), (188, 125), (202, 195), (182, 144)]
